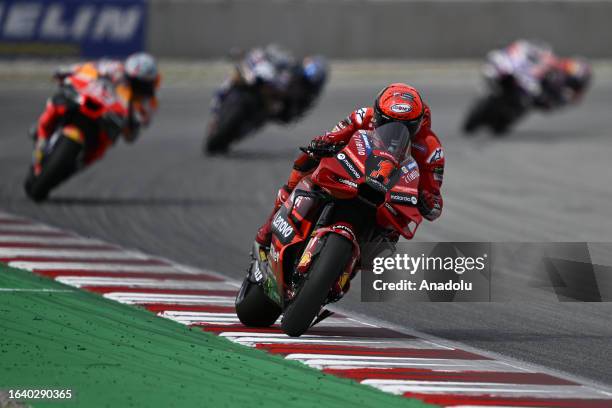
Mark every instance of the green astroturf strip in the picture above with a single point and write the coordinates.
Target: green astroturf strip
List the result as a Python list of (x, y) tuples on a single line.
[(114, 355)]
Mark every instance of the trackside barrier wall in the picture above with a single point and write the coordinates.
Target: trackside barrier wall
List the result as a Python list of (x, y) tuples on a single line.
[(357, 29)]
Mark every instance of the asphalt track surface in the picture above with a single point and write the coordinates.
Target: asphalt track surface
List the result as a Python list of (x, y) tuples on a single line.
[(549, 181)]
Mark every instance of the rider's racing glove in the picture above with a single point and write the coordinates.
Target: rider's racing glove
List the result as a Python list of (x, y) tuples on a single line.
[(326, 144), (429, 205), (283, 194)]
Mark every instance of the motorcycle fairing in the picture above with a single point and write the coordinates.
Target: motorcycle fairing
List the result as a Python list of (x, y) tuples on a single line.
[(399, 211), (291, 226), (382, 172), (340, 176)]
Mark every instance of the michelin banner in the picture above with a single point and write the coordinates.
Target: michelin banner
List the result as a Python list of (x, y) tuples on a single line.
[(78, 28), (488, 272)]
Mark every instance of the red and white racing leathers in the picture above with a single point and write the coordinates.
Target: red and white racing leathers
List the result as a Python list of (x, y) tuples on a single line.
[(426, 149)]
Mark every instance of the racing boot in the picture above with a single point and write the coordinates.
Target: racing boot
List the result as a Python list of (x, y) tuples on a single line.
[(303, 166), (264, 234)]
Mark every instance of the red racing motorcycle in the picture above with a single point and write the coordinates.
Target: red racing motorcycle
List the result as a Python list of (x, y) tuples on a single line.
[(352, 206), (96, 113)]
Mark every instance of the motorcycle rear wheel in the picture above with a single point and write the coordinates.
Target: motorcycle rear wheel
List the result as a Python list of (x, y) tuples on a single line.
[(254, 308), (326, 268), (57, 167)]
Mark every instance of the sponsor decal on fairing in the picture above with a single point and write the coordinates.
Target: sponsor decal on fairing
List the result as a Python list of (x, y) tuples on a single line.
[(348, 165), (282, 228), (403, 198)]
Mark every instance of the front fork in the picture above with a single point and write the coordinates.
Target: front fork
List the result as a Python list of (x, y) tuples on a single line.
[(259, 274)]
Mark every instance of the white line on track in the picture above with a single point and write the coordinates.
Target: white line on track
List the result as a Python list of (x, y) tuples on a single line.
[(72, 253), (499, 390), (79, 281), (51, 266), (68, 240), (136, 298), (210, 319), (7, 228), (186, 317), (347, 341), (311, 356), (482, 388), (284, 336), (433, 364), (42, 290)]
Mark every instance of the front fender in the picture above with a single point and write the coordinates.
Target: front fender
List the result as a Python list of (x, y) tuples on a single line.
[(316, 243), (73, 133)]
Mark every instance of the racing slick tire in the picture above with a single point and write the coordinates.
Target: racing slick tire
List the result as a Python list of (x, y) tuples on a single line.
[(478, 115), (326, 268), (254, 308), (57, 167), (230, 122)]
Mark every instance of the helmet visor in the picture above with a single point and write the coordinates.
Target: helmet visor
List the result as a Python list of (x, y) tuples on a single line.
[(143, 88), (413, 126), (393, 137)]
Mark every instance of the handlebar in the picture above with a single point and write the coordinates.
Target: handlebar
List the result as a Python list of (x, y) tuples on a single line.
[(324, 151)]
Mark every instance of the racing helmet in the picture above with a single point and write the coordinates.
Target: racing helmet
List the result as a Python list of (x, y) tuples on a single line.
[(142, 74), (401, 103), (315, 70), (579, 74)]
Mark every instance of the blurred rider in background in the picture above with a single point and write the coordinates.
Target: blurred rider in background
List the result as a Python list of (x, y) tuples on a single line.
[(135, 81), (307, 78), (295, 84), (545, 80)]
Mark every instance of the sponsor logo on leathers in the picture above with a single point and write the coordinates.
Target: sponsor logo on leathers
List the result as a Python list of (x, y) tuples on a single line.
[(360, 115), (437, 155)]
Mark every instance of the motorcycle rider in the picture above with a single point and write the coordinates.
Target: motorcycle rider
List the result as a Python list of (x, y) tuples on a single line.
[(565, 83), (135, 81), (292, 85), (397, 102), (544, 80), (305, 86)]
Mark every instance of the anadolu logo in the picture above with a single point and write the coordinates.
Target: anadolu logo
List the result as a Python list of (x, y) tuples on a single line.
[(341, 156)]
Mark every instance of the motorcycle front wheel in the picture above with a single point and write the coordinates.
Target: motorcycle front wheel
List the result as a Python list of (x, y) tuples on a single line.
[(479, 115), (57, 167), (230, 123), (326, 268)]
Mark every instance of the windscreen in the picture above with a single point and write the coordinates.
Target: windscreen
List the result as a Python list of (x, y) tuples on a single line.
[(393, 138)]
